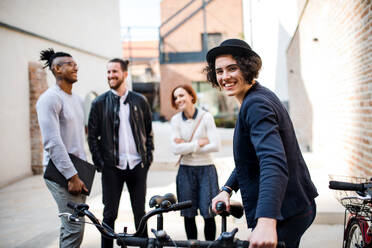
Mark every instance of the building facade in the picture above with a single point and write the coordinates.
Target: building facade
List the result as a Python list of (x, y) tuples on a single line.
[(144, 60), (26, 27), (144, 70), (188, 30), (268, 29), (330, 83)]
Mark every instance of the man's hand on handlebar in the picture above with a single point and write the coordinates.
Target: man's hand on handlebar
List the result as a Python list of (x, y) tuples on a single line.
[(223, 196), (75, 185), (264, 234)]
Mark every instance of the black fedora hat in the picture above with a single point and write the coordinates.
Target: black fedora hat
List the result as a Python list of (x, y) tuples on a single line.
[(231, 46)]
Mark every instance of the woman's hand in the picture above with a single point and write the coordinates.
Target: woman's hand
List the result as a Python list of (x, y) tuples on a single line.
[(203, 141), (264, 234), (178, 140)]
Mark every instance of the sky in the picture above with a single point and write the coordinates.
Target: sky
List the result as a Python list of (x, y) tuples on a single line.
[(143, 18)]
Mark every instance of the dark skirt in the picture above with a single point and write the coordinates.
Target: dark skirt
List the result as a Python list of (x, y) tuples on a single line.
[(198, 184)]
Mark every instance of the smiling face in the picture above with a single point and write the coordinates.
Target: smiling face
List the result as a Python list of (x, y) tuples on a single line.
[(230, 78), (182, 99), (66, 69), (116, 76)]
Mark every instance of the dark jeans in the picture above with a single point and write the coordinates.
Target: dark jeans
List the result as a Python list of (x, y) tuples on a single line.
[(291, 229), (112, 185)]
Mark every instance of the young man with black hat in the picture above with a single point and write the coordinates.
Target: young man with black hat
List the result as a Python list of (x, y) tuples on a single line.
[(275, 184), (60, 114)]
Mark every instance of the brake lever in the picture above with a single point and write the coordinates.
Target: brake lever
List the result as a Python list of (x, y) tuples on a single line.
[(70, 217), (64, 214), (228, 236)]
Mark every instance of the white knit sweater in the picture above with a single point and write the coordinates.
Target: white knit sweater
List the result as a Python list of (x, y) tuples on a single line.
[(192, 153), (61, 120)]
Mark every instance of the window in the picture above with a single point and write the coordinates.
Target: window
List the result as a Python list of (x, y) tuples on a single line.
[(214, 39)]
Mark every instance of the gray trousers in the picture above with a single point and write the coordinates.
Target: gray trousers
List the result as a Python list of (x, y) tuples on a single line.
[(71, 234)]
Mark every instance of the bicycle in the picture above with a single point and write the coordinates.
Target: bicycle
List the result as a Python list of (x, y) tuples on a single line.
[(356, 196), (164, 204)]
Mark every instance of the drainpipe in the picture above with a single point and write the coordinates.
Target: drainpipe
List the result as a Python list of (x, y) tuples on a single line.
[(205, 34)]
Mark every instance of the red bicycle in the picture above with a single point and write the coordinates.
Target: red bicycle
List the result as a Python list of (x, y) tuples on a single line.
[(355, 194)]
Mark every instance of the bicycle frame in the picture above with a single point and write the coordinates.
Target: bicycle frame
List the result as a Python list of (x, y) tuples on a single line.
[(358, 213)]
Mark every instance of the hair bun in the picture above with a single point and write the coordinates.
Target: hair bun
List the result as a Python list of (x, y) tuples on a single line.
[(46, 55)]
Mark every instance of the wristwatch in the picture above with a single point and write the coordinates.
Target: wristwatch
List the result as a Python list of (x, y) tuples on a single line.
[(226, 189)]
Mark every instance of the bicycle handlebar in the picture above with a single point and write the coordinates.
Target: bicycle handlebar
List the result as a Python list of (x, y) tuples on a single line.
[(173, 207), (226, 239), (144, 242), (82, 209), (137, 241), (349, 186), (236, 209), (181, 205)]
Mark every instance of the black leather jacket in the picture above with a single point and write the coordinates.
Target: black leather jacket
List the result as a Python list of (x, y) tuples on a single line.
[(103, 129)]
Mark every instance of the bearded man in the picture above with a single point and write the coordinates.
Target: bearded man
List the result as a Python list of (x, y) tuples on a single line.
[(121, 142)]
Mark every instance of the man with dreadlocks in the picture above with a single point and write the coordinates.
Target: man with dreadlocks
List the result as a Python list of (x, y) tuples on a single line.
[(61, 119)]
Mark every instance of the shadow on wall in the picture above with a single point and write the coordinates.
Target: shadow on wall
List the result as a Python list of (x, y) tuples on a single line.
[(300, 106)]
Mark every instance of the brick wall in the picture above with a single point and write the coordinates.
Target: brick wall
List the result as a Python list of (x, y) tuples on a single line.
[(174, 75), (330, 83), (38, 84), (221, 17)]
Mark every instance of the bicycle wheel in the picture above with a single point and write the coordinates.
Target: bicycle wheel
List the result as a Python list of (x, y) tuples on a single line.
[(354, 236)]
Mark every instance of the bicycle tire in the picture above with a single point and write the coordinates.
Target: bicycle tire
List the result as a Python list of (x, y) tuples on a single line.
[(354, 236)]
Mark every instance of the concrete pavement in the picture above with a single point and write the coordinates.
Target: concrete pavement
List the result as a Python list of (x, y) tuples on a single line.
[(28, 213)]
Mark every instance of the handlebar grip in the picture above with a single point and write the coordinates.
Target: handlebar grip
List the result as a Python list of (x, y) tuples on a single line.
[(182, 205), (244, 243), (236, 209), (346, 186), (220, 206)]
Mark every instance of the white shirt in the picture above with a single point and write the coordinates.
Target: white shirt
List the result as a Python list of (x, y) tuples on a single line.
[(128, 155), (61, 120), (193, 153)]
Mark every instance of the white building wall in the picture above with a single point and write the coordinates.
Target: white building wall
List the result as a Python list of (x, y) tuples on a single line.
[(268, 28), (90, 25), (88, 30)]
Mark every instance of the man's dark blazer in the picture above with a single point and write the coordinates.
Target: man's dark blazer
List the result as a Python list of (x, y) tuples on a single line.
[(269, 168)]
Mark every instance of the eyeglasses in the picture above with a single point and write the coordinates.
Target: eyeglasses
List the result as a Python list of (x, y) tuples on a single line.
[(69, 63)]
